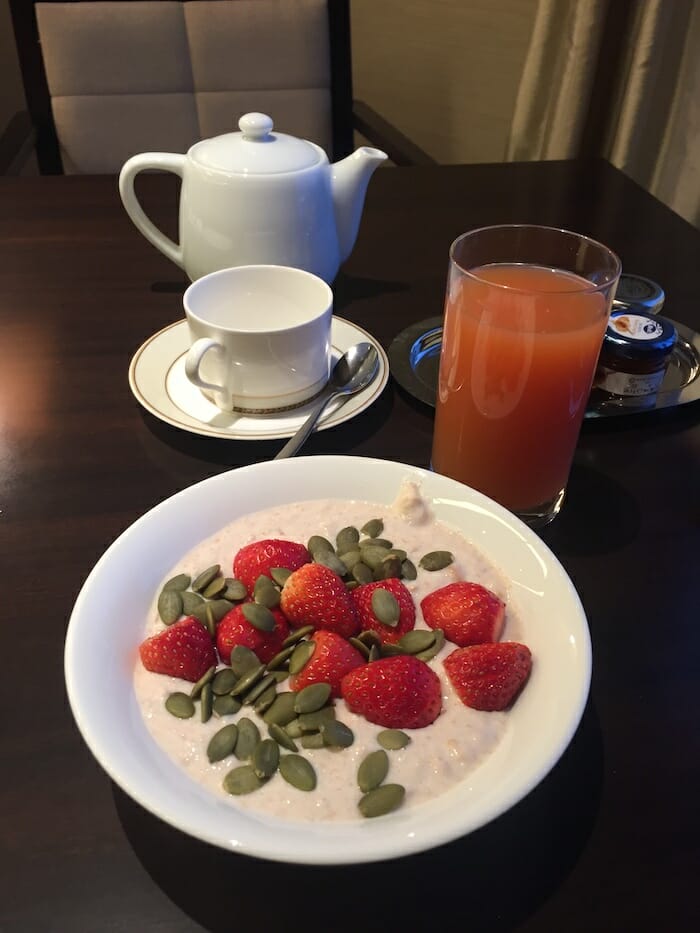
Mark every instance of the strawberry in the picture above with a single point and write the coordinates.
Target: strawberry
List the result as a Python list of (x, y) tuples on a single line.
[(234, 629), (332, 659), (261, 557), (489, 676), (400, 692), (183, 650), (315, 595), (362, 597), (468, 613)]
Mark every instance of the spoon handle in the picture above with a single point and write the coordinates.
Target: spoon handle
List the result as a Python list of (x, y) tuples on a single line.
[(295, 442)]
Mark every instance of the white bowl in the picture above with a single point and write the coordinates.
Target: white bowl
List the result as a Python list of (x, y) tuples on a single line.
[(108, 621)]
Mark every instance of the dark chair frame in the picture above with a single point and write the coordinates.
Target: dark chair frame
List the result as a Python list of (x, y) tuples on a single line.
[(36, 127)]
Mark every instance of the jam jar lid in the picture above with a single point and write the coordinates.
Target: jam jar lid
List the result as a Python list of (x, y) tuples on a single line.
[(638, 335), (637, 293)]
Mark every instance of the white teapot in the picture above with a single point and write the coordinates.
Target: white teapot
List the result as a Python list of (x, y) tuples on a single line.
[(258, 197)]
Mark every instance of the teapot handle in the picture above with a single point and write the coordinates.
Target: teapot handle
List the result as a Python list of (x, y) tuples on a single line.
[(164, 161)]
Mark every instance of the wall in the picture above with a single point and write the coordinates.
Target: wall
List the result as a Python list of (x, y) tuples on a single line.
[(11, 92)]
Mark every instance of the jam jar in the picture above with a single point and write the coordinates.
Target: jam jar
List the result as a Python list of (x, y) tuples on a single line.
[(637, 293)]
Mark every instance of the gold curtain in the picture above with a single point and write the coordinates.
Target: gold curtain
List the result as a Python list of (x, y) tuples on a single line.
[(621, 79)]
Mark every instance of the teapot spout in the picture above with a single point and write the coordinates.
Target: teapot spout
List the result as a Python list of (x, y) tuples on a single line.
[(349, 180)]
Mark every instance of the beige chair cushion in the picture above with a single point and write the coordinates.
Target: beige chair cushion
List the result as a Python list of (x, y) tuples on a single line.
[(143, 75)]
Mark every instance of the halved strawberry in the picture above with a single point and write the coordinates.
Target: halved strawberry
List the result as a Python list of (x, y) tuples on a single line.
[(315, 595), (333, 658), (401, 692), (468, 613), (260, 557), (490, 676), (234, 629), (390, 634), (183, 650)]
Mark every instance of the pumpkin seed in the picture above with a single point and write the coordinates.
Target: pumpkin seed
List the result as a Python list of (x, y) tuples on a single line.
[(385, 606), (375, 652), (206, 703), (298, 772), (282, 737), (373, 528), (265, 700), (204, 679), (179, 582), (372, 771), (265, 593), (180, 705), (318, 543), (369, 637), (434, 648), (282, 710), (219, 608), (205, 578), (248, 680), (361, 647), (215, 588), (389, 651), (301, 655), (293, 729), (336, 734), (381, 800), (280, 676), (236, 591), (408, 570), (226, 705), (393, 739), (248, 738), (361, 572), (280, 575), (351, 585), (376, 542), (350, 558), (280, 658), (252, 695), (209, 621), (416, 640), (312, 722), (312, 740), (259, 616), (389, 567), (398, 552), (191, 602), (436, 560), (347, 539), (312, 698), (332, 561), (222, 743), (297, 635), (224, 682), (373, 556), (242, 780), (266, 758), (243, 659), (169, 606)]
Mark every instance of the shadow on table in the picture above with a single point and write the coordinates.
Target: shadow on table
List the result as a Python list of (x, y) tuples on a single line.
[(491, 880)]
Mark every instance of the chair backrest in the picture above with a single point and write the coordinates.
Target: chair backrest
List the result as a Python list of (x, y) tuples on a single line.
[(106, 79)]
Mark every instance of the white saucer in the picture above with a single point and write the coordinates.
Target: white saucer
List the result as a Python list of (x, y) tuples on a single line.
[(158, 381)]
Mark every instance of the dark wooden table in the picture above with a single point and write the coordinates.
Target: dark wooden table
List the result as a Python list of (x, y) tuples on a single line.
[(608, 841)]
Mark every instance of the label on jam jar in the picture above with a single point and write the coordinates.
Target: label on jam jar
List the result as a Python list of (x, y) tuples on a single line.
[(629, 384), (636, 327)]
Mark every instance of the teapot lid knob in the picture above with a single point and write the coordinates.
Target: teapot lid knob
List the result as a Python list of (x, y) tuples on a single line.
[(256, 126)]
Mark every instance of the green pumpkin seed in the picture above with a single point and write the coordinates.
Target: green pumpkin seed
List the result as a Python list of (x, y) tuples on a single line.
[(191, 602), (215, 588), (350, 558), (362, 573), (280, 676), (206, 703), (243, 659), (280, 658), (282, 710), (280, 575), (381, 800), (248, 738), (317, 543), (248, 680), (332, 561), (180, 705), (373, 556), (205, 578), (373, 528), (435, 648), (252, 695), (408, 570), (266, 758), (220, 608), (376, 542), (389, 567), (293, 729), (265, 593), (169, 606), (301, 656), (336, 734), (242, 780), (209, 621), (226, 705), (179, 582), (297, 635), (351, 585), (397, 552), (393, 739), (347, 539), (312, 722), (204, 679), (265, 700), (222, 743), (375, 652), (298, 772), (312, 740), (312, 698), (282, 737), (236, 591), (390, 651), (436, 560), (259, 616), (416, 640), (372, 771), (385, 606), (224, 682), (369, 637), (361, 647)]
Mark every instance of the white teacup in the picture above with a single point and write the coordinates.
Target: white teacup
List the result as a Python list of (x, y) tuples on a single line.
[(261, 337)]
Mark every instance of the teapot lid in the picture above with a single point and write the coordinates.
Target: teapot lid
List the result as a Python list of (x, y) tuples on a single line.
[(256, 150)]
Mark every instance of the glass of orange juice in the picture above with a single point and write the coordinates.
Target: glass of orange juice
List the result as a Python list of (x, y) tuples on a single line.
[(525, 313)]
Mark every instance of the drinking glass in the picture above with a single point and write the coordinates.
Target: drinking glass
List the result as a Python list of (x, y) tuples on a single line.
[(525, 313)]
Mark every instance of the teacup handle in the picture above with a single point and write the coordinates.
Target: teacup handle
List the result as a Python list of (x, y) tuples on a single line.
[(163, 161), (193, 359)]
